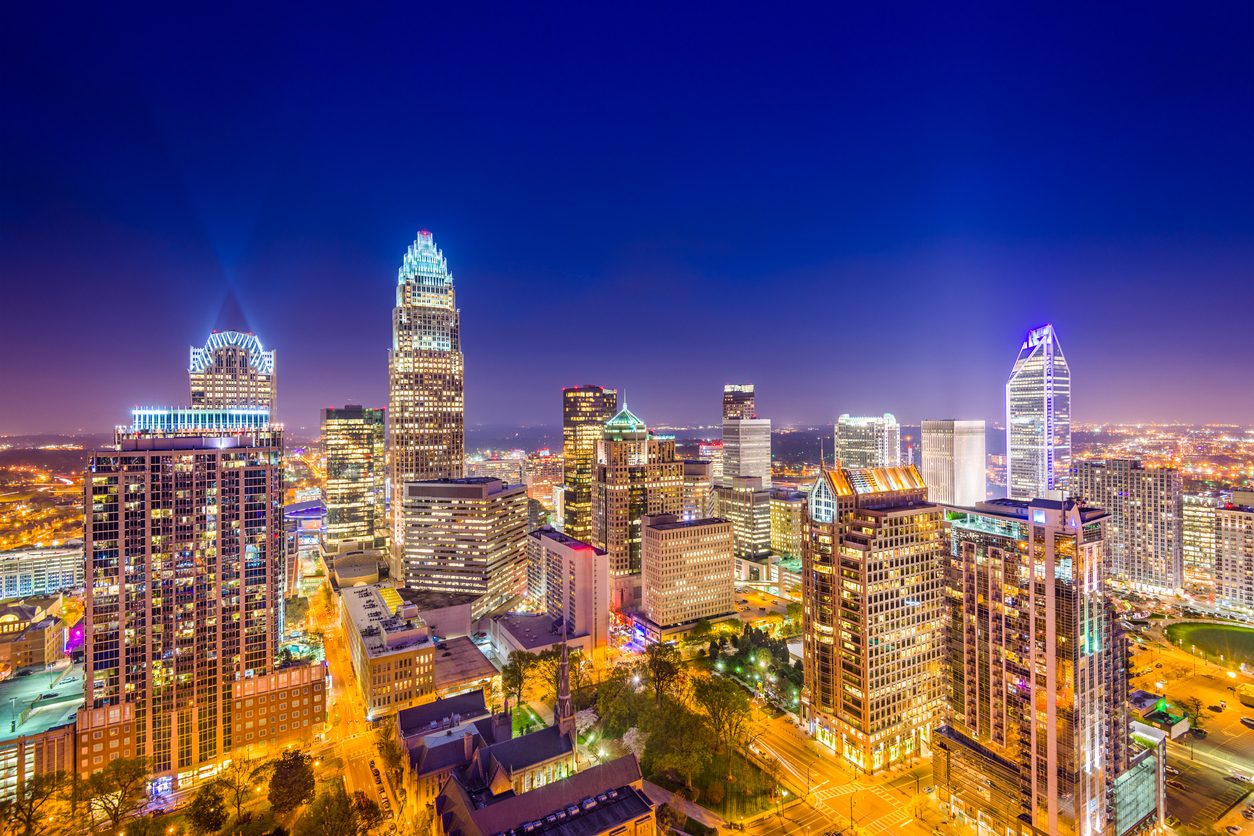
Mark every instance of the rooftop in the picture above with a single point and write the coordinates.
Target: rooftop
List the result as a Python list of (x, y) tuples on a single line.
[(672, 524), (40, 701), (533, 631), (443, 713), (459, 662), (384, 621)]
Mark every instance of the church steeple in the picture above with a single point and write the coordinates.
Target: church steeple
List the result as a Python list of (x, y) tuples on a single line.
[(565, 705)]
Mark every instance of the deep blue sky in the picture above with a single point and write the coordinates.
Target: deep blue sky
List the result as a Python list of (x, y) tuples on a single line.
[(857, 209)]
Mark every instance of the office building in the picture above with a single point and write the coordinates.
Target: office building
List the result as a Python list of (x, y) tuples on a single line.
[(426, 413), (739, 401), (1038, 731), (953, 461), (232, 370), (41, 571), (712, 452), (747, 506), (788, 508), (1038, 418), (543, 474), (184, 549), (571, 583), (1234, 558), (698, 501), (466, 535), (508, 468), (688, 573), (352, 441), (1144, 530), (636, 474), (585, 409), (867, 442), (871, 626), (746, 449), (1198, 532), (391, 648)]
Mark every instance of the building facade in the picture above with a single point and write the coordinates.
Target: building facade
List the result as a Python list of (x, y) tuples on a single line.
[(1234, 558), (1144, 532), (746, 504), (872, 599), (1038, 418), (698, 501), (543, 473), (688, 571), (953, 461), (585, 409), (41, 571), (746, 449), (867, 441), (391, 649), (576, 586), (739, 401), (426, 373), (232, 370), (1199, 528), (788, 509), (356, 475), (1037, 670)]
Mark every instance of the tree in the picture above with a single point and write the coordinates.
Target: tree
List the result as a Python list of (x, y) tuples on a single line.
[(117, 791), (331, 814), (664, 666), (727, 707), (367, 811), (238, 779), (678, 743), (208, 813), (514, 675), (618, 702), (700, 630), (390, 750), (292, 782), (40, 800), (1193, 709)]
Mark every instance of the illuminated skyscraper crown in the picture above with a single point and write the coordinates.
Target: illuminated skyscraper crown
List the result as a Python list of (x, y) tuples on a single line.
[(424, 263), (259, 359)]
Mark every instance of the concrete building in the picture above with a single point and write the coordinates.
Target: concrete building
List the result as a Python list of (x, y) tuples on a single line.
[(1234, 558), (954, 460), (636, 474), (232, 371), (1038, 418), (698, 500), (746, 504), (871, 626), (739, 401), (867, 441), (585, 409), (32, 634), (577, 585), (391, 648), (466, 535), (746, 449), (787, 521), (1038, 730), (184, 549), (1144, 534), (712, 452), (688, 570), (41, 571), (1199, 529), (38, 735), (356, 476), (426, 374)]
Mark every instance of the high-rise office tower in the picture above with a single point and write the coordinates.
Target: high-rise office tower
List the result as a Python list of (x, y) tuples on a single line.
[(787, 521), (426, 410), (1038, 417), (871, 624), (543, 473), (1234, 558), (868, 442), (636, 474), (466, 535), (184, 552), (747, 506), (698, 502), (585, 409), (953, 461), (712, 452), (739, 401), (746, 449), (352, 441), (1038, 729), (1198, 531), (1144, 530), (232, 371), (687, 571)]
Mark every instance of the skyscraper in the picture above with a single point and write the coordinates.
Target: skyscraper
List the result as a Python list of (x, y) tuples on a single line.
[(1038, 417), (466, 535), (585, 409), (739, 401), (698, 502), (868, 442), (231, 370), (636, 474), (1234, 558), (426, 413), (688, 571), (184, 550), (1144, 532), (953, 461), (1038, 729), (1199, 529), (352, 440), (872, 602), (747, 506)]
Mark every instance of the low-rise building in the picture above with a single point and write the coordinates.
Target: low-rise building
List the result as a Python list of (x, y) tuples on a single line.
[(285, 706), (32, 634), (39, 735), (391, 648), (531, 633), (41, 571), (460, 666)]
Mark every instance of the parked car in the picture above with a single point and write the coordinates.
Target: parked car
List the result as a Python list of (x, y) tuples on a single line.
[(1171, 770), (1248, 721), (1175, 785)]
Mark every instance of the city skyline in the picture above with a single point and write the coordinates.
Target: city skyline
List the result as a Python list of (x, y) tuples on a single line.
[(964, 194)]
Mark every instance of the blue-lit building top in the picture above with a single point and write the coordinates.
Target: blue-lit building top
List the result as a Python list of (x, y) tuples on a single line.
[(182, 420)]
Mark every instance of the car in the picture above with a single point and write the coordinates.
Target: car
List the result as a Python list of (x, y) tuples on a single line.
[(1249, 814), (372, 763), (1159, 665), (929, 790), (1232, 828), (1175, 785), (1223, 704), (1198, 732), (1171, 770), (1240, 776), (1247, 721)]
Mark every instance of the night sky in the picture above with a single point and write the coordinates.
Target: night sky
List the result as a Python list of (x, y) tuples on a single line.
[(857, 210)]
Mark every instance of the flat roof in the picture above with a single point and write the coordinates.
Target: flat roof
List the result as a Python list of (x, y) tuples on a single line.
[(41, 700), (373, 611), (669, 526), (426, 599), (533, 630), (461, 660)]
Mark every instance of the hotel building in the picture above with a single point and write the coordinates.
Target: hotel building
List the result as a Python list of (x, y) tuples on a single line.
[(232, 370), (585, 409), (352, 441), (688, 572), (575, 584), (1038, 418), (953, 461)]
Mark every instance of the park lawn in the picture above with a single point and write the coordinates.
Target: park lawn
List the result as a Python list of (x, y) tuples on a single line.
[(1232, 641)]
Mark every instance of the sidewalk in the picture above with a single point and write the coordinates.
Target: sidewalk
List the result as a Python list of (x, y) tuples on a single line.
[(661, 796)]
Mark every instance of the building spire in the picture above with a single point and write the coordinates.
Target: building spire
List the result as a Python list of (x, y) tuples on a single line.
[(565, 706)]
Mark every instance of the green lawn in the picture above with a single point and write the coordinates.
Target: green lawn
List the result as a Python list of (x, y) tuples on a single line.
[(1233, 642)]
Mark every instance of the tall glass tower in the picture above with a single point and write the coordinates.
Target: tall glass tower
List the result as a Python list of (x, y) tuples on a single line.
[(1038, 417), (426, 411)]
